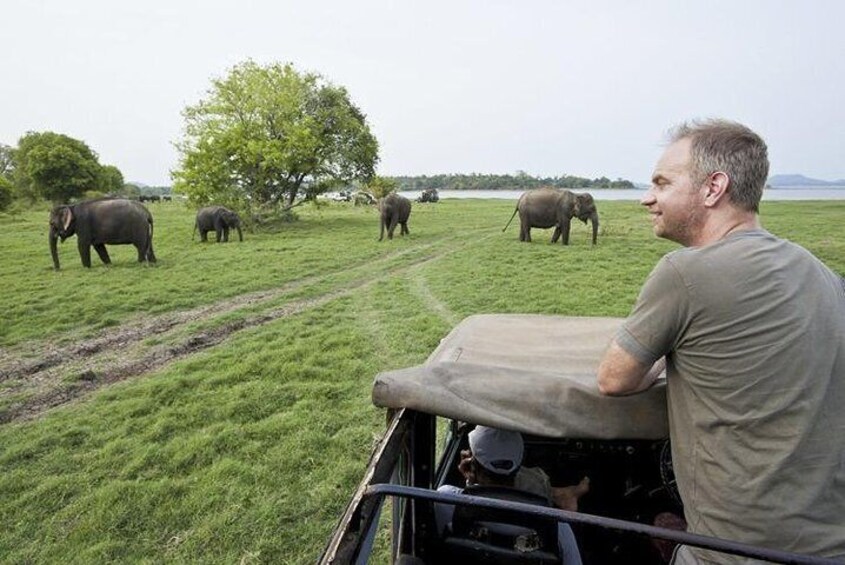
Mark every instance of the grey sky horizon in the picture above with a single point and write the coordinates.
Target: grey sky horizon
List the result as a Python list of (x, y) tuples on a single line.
[(545, 87)]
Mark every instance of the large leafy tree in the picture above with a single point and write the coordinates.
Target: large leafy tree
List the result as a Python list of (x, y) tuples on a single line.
[(55, 166), (266, 133)]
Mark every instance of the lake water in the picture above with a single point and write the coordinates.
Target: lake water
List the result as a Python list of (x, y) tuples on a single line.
[(837, 193)]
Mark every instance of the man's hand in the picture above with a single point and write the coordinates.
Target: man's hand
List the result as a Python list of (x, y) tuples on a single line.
[(566, 498), (465, 467)]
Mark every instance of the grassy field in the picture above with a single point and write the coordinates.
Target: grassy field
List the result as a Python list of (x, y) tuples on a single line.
[(216, 407)]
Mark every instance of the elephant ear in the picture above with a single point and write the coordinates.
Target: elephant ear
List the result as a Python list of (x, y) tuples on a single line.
[(67, 218)]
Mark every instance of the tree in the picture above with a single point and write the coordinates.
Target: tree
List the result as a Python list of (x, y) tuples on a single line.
[(55, 166), (6, 192), (111, 180), (131, 191), (265, 133), (6, 160)]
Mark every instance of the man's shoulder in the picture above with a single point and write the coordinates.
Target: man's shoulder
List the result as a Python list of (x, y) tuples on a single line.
[(733, 247)]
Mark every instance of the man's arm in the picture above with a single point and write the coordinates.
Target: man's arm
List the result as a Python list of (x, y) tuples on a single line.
[(621, 373)]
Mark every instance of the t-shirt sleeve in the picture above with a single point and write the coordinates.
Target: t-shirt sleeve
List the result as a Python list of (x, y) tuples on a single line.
[(655, 324)]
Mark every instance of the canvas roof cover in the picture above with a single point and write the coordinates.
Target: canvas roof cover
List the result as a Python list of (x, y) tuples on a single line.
[(531, 373)]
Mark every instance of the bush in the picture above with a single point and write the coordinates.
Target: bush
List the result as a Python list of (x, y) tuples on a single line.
[(6, 193), (272, 221)]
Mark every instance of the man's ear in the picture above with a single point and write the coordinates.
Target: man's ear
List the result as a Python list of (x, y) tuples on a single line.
[(717, 188)]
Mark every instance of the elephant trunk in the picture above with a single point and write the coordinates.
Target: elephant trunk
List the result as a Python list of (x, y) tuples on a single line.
[(240, 235), (595, 220), (54, 235)]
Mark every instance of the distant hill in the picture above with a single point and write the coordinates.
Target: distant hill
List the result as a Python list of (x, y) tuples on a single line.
[(793, 181)]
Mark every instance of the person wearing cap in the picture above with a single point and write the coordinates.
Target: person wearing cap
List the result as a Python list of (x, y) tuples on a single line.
[(494, 458)]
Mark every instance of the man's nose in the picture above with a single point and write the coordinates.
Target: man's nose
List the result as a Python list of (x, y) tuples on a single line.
[(648, 198)]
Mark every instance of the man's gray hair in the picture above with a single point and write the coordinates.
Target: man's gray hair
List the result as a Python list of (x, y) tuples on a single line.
[(732, 148)]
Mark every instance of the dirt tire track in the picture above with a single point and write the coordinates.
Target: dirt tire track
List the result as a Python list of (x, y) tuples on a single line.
[(421, 289), (131, 332), (14, 367), (94, 369), (93, 377)]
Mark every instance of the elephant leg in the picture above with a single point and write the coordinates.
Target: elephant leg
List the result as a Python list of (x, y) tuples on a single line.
[(151, 256), (225, 235), (525, 234), (556, 234), (392, 227), (100, 248), (219, 232), (564, 231), (85, 253), (141, 246), (381, 230), (405, 229), (204, 235)]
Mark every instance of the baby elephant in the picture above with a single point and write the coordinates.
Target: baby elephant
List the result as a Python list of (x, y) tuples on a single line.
[(218, 219), (394, 209)]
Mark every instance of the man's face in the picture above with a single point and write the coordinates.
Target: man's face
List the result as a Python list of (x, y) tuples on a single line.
[(675, 204)]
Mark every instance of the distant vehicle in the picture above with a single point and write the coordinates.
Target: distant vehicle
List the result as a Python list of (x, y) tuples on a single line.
[(341, 196), (534, 374), (429, 195)]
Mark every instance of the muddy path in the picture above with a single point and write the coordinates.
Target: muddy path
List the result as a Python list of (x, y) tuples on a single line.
[(35, 377)]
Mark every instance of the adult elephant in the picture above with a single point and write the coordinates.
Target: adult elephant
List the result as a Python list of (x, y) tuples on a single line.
[(112, 221), (219, 220), (394, 209), (548, 207)]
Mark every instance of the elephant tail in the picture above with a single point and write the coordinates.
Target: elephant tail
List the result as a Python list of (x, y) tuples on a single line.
[(512, 216), (150, 255)]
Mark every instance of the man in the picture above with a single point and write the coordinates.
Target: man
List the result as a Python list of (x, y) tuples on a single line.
[(752, 328), (495, 459)]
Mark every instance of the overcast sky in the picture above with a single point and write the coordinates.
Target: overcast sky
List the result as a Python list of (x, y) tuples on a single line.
[(548, 87)]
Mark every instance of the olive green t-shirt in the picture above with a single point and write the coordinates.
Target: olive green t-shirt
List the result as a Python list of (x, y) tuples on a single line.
[(753, 328)]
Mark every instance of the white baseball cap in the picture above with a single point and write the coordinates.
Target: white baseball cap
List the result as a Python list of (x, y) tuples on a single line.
[(498, 451)]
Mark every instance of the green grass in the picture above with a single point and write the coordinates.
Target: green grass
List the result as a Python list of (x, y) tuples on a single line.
[(249, 451)]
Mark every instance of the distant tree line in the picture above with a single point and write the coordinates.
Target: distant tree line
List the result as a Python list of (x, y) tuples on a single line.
[(519, 181), (139, 190)]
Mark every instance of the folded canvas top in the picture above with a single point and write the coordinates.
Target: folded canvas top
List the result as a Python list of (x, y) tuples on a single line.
[(531, 373)]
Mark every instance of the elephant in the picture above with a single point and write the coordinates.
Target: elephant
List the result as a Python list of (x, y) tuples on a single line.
[(547, 207), (218, 219), (113, 221), (394, 209)]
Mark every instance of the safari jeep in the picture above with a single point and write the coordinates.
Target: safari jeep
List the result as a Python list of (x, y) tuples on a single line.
[(534, 374)]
